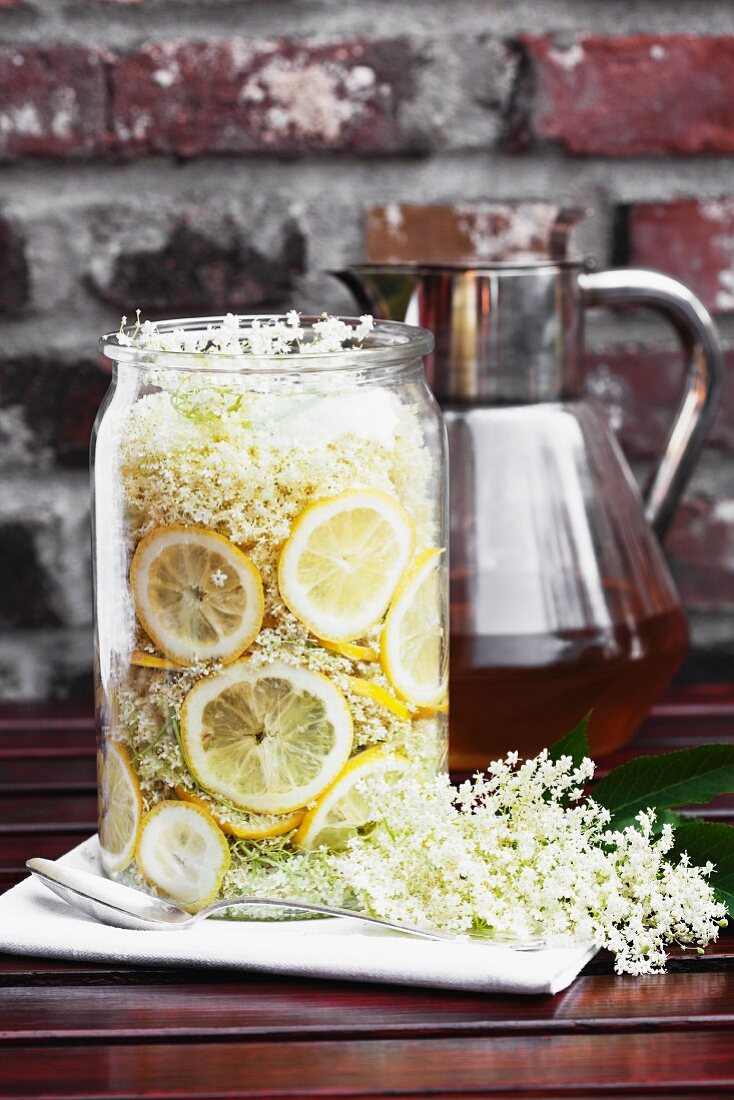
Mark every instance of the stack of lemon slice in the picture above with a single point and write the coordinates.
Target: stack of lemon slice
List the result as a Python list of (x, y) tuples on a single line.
[(264, 741), (346, 563)]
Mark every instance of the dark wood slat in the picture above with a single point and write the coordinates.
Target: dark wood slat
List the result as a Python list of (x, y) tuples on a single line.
[(74, 767), (41, 789), (515, 1066), (20, 844), (34, 742), (709, 693), (51, 807), (677, 709), (257, 1009), (28, 970), (16, 848), (670, 736), (682, 720), (46, 841), (80, 829)]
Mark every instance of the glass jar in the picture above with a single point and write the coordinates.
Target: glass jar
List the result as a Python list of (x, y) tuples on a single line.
[(271, 602)]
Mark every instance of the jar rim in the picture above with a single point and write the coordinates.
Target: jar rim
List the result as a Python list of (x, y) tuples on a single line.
[(390, 343)]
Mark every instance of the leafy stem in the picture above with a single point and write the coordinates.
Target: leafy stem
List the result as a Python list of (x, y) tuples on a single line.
[(155, 741)]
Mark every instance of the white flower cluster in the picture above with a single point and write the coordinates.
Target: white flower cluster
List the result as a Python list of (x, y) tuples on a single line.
[(260, 337), (332, 334), (518, 854)]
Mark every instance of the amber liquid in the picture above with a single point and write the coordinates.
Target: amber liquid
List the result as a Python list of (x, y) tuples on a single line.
[(525, 691)]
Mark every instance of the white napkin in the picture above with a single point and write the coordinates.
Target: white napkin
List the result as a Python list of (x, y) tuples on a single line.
[(33, 921)]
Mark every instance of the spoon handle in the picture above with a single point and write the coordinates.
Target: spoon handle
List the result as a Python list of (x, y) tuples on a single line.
[(325, 911)]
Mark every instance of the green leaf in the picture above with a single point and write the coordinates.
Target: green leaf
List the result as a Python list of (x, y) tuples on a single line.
[(690, 776), (575, 744), (705, 841)]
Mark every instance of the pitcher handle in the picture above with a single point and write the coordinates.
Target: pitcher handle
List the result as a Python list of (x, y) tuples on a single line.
[(704, 375)]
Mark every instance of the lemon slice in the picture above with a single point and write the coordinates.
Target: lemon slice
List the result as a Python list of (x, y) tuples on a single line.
[(342, 811), (379, 695), (183, 853), (414, 649), (196, 594), (431, 712), (141, 659), (268, 738), (342, 561), (120, 808), (352, 651), (239, 823)]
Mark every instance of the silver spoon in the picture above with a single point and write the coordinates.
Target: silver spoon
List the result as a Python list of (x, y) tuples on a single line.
[(112, 903), (118, 905)]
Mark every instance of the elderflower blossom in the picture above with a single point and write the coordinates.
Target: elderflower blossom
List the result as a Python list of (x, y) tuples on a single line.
[(517, 855), (260, 337), (333, 333)]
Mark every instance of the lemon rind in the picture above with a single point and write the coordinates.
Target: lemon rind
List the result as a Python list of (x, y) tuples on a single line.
[(351, 650), (366, 689), (140, 659), (289, 822)]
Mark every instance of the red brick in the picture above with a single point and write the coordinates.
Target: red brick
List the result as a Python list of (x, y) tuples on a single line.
[(14, 277), (57, 403), (458, 233), (700, 547), (191, 98), (213, 269), (639, 389), (691, 240), (640, 94), (11, 3), (52, 102)]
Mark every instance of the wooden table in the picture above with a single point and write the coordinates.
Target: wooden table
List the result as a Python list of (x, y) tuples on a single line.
[(81, 1030)]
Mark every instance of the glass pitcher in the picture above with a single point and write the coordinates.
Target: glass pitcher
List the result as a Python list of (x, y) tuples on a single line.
[(561, 600)]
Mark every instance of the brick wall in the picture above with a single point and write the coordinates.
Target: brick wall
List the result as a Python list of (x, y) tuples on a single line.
[(219, 154)]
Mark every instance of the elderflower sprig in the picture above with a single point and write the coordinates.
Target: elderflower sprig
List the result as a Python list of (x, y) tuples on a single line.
[(519, 854), (259, 337), (515, 854)]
